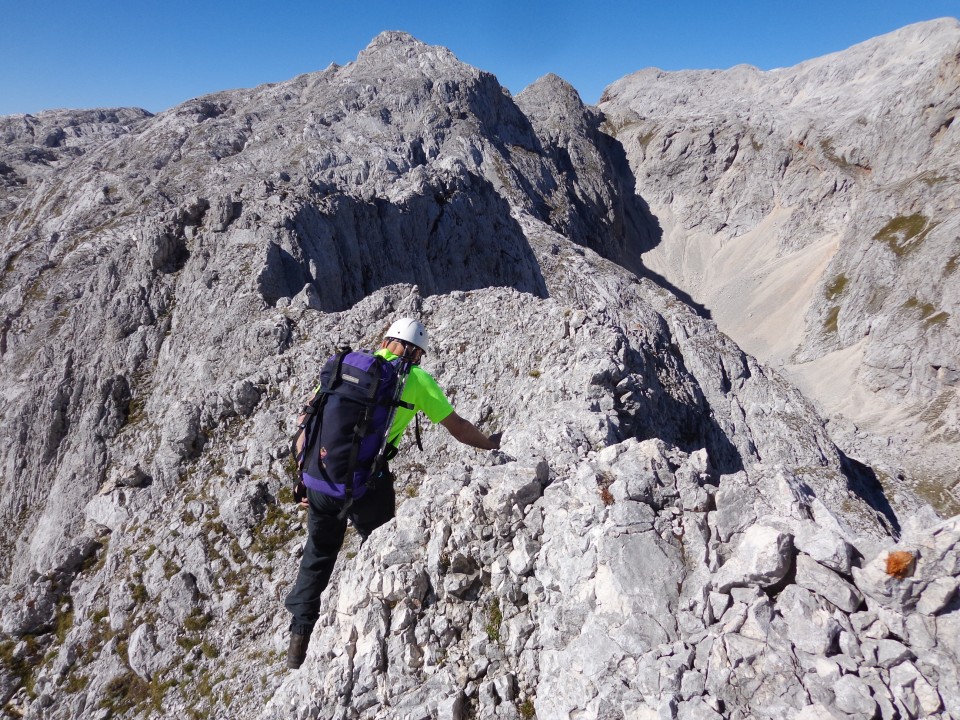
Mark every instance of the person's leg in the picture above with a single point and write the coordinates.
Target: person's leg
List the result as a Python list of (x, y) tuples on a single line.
[(375, 508), (325, 533)]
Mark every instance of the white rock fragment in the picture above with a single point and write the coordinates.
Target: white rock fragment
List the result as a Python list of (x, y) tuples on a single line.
[(763, 557), (811, 628), (853, 697)]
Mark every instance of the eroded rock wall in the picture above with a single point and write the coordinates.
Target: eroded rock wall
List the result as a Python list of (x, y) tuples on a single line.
[(813, 211)]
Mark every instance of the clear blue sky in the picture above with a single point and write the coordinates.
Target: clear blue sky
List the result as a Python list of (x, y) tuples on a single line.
[(155, 54)]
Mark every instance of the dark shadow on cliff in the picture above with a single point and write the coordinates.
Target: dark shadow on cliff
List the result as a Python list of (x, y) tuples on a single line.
[(458, 235), (641, 229), (863, 481), (652, 404), (595, 206)]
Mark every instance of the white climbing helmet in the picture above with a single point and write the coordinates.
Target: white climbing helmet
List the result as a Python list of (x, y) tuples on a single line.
[(411, 331)]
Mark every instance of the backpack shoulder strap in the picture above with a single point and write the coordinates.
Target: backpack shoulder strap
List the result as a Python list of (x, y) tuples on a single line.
[(395, 401), (313, 410), (337, 376)]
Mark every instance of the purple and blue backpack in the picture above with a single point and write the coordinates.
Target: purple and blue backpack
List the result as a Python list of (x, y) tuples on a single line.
[(347, 422)]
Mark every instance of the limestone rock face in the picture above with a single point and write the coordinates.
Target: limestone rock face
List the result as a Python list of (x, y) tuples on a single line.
[(33, 148), (668, 529), (813, 210)]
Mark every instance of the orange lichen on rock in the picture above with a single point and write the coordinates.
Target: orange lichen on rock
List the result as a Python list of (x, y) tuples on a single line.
[(900, 564)]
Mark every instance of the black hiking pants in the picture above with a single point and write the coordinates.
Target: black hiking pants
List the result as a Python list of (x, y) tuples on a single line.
[(325, 532)]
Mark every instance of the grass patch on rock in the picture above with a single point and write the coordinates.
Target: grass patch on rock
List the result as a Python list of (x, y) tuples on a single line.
[(197, 621), (928, 312), (494, 618), (905, 233), (20, 668), (188, 642), (275, 532), (837, 286), (170, 568), (76, 683), (292, 469), (952, 265), (938, 495), (124, 693), (526, 710), (64, 621), (285, 496), (926, 309), (939, 318), (209, 650)]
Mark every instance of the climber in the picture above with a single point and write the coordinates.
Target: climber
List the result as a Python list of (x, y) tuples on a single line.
[(329, 507)]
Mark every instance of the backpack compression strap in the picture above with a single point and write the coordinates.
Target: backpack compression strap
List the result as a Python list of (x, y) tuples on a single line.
[(360, 431)]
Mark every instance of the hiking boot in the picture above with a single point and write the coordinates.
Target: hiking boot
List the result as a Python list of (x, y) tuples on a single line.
[(297, 650)]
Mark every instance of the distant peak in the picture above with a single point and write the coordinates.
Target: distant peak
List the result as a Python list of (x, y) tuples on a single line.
[(394, 46), (393, 37), (552, 88), (554, 80), (944, 23), (939, 30)]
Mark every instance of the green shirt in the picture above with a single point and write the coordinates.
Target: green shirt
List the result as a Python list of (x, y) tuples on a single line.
[(423, 393)]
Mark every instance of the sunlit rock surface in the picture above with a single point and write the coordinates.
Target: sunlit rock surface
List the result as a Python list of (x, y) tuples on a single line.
[(668, 530)]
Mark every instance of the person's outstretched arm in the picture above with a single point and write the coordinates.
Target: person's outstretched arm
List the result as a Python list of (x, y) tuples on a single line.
[(469, 434)]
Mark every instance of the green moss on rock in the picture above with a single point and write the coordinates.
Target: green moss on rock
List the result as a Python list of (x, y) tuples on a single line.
[(928, 312)]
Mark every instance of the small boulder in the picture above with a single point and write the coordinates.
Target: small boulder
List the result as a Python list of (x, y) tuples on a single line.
[(810, 627), (142, 651)]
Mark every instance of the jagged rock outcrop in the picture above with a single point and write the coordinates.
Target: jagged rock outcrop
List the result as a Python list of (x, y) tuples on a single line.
[(812, 209), (605, 588), (668, 529)]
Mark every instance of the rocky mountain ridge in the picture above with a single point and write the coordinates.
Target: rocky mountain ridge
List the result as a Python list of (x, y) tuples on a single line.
[(124, 197), (668, 531)]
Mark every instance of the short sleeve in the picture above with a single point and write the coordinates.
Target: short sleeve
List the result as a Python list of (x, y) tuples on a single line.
[(428, 396)]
